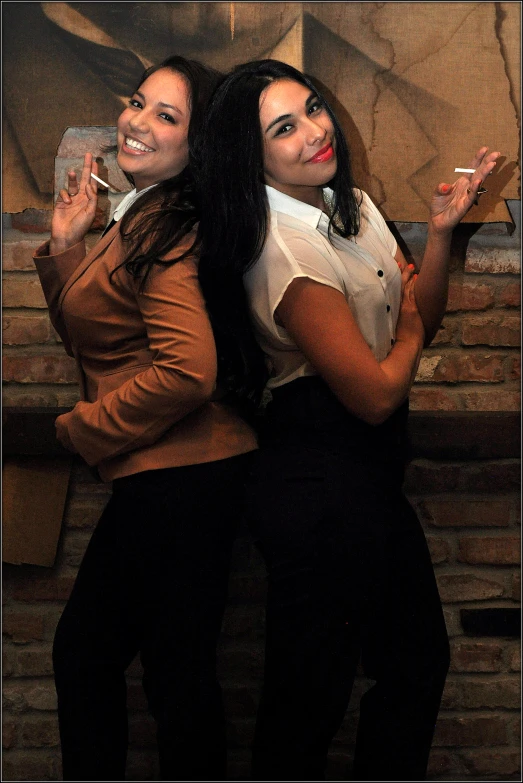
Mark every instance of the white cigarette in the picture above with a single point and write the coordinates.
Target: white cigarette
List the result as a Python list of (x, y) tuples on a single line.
[(466, 171), (99, 180)]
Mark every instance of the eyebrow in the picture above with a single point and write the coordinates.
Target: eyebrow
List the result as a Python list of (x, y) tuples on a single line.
[(312, 97), (160, 103)]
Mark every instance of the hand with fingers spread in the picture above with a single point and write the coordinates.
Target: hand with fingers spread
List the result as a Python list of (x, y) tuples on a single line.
[(75, 208), (450, 203)]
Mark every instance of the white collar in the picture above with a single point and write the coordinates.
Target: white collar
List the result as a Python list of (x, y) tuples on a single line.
[(280, 202), (127, 200)]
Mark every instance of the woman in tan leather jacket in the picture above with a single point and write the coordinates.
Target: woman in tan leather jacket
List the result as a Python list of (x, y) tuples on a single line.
[(154, 577)]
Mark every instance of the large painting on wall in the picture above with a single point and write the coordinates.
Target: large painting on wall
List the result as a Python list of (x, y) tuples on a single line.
[(418, 86)]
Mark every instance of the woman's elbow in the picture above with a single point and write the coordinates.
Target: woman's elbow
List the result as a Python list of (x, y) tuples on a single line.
[(375, 412)]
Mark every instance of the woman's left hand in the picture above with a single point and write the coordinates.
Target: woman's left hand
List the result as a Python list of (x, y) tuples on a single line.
[(450, 203)]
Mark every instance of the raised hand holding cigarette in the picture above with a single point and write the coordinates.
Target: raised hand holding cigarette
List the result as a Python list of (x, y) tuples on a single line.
[(75, 207), (451, 202)]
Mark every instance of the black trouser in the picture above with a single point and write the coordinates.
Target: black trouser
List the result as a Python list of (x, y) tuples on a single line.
[(154, 580), (350, 577)]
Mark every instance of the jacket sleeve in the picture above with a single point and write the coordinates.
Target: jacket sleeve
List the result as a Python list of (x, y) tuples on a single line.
[(54, 272), (133, 412)]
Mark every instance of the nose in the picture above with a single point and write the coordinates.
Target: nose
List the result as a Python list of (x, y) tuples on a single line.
[(314, 132), (139, 122)]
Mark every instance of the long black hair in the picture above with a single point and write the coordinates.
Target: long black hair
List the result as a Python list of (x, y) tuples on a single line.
[(235, 211), (159, 219)]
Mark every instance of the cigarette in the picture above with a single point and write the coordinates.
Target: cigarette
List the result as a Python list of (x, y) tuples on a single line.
[(100, 180), (466, 171)]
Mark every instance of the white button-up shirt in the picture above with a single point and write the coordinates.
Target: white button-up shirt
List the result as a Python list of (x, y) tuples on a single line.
[(363, 270)]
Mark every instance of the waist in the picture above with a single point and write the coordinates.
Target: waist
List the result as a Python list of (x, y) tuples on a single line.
[(305, 411)]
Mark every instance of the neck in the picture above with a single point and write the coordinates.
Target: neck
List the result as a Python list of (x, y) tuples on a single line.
[(306, 193)]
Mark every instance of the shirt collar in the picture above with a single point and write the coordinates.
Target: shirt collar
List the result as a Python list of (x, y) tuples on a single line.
[(280, 202), (127, 200)]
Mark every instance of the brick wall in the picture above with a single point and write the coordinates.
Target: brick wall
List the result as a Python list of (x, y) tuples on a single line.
[(468, 503)]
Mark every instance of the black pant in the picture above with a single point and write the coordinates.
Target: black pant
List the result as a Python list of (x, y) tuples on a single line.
[(350, 577), (154, 580)]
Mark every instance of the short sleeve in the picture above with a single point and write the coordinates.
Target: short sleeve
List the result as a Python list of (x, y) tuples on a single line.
[(287, 255)]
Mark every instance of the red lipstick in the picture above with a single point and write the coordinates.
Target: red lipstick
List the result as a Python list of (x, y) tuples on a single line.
[(322, 155)]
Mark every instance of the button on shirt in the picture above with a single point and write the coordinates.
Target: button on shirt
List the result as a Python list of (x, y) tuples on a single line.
[(362, 269)]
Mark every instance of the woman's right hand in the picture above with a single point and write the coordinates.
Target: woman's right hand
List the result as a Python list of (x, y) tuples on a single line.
[(75, 208)]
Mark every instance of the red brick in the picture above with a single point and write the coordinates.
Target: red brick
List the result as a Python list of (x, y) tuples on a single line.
[(516, 586), (515, 725), (442, 762), (466, 513), (24, 765), (7, 662), (14, 700), (17, 254), (36, 396), (8, 735), (471, 731), (39, 369), (445, 333), (492, 330), (497, 763), (32, 221), (431, 400), (47, 587), (500, 476), (476, 657), (34, 663), (23, 290), (423, 477), (469, 296), (510, 295), (457, 369), (497, 400), (467, 587), (42, 697), (84, 513), (495, 551), (452, 621), (23, 627), (481, 693), (515, 658), (73, 549), (493, 261), (514, 372), (439, 549), (25, 330), (40, 733)]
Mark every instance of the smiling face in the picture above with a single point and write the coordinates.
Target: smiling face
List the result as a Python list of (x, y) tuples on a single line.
[(299, 143), (152, 130)]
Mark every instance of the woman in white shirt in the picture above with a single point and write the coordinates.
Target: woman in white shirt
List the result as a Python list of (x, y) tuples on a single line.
[(342, 320)]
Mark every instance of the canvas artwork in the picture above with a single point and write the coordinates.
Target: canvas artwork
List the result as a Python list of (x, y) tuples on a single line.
[(418, 87)]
